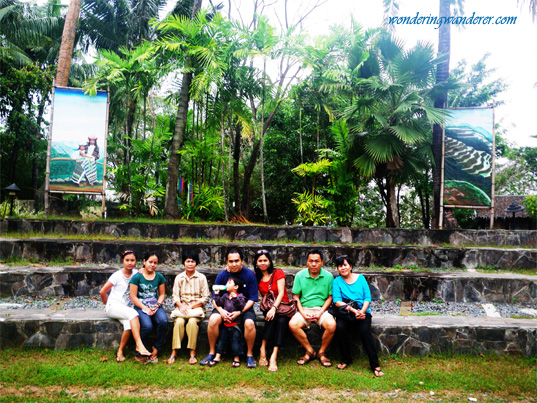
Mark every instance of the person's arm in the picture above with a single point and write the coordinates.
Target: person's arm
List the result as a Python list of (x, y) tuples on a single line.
[(281, 292), (337, 294), (205, 294), (133, 291), (104, 291), (241, 308), (161, 294), (326, 305), (360, 314), (176, 292), (297, 292)]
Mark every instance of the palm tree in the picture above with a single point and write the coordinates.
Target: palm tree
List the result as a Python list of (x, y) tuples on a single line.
[(389, 114), (68, 43), (130, 74)]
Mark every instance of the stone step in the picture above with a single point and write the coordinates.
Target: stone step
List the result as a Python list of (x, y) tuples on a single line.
[(97, 251), (259, 233), (408, 335), (71, 281)]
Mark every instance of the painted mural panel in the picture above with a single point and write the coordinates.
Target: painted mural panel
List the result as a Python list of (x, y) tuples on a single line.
[(78, 141), (468, 151)]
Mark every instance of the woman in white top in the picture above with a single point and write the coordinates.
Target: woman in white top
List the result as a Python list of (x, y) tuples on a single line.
[(119, 306)]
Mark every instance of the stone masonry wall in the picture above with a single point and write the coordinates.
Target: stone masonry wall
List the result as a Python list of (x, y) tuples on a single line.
[(450, 287), (284, 254), (254, 233), (406, 336)]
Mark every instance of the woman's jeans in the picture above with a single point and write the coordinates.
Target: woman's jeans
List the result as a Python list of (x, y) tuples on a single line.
[(158, 321)]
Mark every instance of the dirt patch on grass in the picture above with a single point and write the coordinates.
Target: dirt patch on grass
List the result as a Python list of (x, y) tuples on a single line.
[(245, 393)]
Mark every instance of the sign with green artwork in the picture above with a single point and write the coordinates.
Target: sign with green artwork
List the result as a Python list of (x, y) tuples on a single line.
[(468, 157), (77, 142)]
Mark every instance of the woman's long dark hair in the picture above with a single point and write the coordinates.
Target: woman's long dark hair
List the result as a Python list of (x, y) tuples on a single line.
[(270, 269)]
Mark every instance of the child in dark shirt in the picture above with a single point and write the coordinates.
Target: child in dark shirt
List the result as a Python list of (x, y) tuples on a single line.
[(231, 300)]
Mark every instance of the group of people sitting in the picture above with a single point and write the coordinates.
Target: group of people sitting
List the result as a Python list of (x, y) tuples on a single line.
[(339, 306)]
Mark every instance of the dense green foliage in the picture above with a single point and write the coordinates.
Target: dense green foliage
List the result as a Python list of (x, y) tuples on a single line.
[(279, 127)]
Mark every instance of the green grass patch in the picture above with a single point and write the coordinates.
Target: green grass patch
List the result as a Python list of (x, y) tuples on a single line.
[(63, 375)]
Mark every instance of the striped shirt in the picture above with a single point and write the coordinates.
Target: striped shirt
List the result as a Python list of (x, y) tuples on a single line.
[(189, 290)]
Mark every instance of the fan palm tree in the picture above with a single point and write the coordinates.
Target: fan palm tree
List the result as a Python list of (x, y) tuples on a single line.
[(390, 114)]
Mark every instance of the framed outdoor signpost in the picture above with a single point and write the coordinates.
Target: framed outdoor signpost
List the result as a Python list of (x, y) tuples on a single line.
[(76, 158), (468, 160)]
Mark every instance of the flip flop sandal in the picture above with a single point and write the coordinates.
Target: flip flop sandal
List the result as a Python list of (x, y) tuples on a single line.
[(306, 358), (325, 361), (120, 358), (263, 362), (250, 362), (171, 360), (207, 359), (142, 353), (273, 368), (212, 363), (378, 372), (342, 365), (236, 364), (192, 360)]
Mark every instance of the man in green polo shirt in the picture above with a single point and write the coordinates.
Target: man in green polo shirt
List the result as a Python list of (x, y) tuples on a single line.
[(312, 291)]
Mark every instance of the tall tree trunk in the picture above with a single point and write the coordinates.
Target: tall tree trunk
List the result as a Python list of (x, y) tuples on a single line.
[(222, 134), (68, 43), (262, 162), (392, 216), (442, 75), (171, 210), (248, 171), (236, 160)]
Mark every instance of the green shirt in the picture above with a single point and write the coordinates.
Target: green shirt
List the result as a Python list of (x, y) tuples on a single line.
[(313, 292), (147, 289)]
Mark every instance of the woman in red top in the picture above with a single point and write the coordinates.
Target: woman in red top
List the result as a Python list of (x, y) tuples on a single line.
[(275, 325)]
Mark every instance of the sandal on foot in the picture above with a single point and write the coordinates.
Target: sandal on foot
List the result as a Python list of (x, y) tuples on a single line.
[(212, 363), (192, 360), (142, 353), (306, 358), (236, 364), (273, 368), (263, 362), (171, 360), (142, 359), (207, 359), (378, 372), (250, 362), (325, 361), (342, 365), (120, 358)]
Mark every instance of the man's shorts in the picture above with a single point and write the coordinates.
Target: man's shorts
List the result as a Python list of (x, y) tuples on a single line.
[(307, 323), (249, 314)]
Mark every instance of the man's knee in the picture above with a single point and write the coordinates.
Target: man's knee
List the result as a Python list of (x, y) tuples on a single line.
[(214, 321), (329, 325), (249, 325), (295, 324)]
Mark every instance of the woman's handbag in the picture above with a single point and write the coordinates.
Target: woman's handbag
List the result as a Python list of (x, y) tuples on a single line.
[(285, 308), (341, 311)]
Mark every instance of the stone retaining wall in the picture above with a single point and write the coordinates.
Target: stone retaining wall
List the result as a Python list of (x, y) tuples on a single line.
[(393, 335), (287, 254), (450, 287), (255, 233)]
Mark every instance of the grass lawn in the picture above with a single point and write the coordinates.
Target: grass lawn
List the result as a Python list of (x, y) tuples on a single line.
[(61, 376)]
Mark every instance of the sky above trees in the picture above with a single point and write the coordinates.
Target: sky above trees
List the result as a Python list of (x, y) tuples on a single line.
[(511, 48)]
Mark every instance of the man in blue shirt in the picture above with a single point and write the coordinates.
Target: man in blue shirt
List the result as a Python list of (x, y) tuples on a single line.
[(219, 315)]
